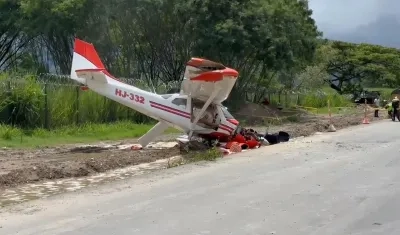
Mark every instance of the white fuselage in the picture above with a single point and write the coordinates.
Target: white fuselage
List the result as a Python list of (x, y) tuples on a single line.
[(159, 107)]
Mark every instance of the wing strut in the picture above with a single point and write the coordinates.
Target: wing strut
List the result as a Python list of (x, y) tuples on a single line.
[(205, 106)]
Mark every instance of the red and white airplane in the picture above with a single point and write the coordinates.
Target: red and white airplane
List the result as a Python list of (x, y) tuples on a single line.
[(197, 109)]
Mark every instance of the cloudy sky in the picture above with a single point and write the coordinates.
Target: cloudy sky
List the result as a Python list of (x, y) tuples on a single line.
[(372, 21)]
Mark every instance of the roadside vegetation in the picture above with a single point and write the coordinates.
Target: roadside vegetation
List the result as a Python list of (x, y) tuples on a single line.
[(209, 155), (277, 48)]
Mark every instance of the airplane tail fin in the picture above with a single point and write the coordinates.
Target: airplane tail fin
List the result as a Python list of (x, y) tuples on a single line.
[(86, 61)]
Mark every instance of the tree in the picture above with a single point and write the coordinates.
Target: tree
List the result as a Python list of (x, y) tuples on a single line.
[(314, 76), (13, 40), (255, 37), (54, 23), (268, 41), (355, 65)]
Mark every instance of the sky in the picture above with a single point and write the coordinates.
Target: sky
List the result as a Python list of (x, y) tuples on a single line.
[(371, 21)]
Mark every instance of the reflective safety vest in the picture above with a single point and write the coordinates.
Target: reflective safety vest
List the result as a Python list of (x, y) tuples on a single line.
[(389, 106)]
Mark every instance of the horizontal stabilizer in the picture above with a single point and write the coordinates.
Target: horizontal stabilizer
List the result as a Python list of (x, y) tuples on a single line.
[(96, 75)]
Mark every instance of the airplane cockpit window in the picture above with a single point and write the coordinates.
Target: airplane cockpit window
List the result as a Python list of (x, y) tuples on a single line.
[(227, 114), (166, 96), (180, 102)]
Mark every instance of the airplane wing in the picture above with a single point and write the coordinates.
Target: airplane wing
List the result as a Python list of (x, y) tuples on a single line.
[(209, 82), (204, 77), (97, 74), (157, 130)]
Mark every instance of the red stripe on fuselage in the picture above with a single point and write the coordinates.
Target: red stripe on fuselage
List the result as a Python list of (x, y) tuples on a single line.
[(169, 109), (227, 127)]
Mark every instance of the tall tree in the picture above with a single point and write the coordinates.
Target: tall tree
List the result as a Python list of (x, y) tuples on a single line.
[(355, 65), (56, 23), (13, 40)]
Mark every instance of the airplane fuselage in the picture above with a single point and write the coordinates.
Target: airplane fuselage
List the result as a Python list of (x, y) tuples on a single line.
[(163, 107)]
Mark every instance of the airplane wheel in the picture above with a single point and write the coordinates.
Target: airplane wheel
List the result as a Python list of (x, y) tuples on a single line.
[(197, 145), (186, 148), (183, 147), (193, 145), (211, 143)]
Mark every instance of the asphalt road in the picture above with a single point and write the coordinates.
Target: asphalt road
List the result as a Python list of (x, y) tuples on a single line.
[(336, 183)]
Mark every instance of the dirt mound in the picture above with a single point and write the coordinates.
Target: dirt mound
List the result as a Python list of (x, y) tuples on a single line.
[(256, 114), (257, 110)]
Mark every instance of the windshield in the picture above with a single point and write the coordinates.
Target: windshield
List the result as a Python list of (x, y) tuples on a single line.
[(227, 114)]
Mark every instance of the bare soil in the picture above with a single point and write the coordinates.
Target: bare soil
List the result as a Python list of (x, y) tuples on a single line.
[(19, 166), (26, 166), (307, 124)]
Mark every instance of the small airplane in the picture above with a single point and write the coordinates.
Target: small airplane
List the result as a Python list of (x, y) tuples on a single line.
[(197, 110)]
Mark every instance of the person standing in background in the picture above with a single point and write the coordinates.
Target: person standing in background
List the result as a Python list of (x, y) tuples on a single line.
[(377, 104), (389, 108), (395, 106)]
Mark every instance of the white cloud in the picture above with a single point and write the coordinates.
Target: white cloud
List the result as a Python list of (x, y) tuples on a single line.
[(345, 15)]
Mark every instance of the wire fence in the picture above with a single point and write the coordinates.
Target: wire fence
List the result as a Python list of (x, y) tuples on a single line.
[(51, 102)]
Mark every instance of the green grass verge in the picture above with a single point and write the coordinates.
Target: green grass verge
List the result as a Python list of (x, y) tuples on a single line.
[(17, 138), (334, 110)]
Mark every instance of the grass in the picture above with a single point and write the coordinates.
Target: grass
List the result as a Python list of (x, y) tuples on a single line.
[(56, 105), (385, 91), (210, 155), (334, 110), (17, 138)]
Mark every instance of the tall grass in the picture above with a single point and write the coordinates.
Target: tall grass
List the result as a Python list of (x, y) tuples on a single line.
[(85, 133), (50, 102), (318, 99), (321, 101)]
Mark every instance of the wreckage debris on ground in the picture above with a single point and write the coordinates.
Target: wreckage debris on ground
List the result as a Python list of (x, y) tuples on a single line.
[(244, 139), (276, 138)]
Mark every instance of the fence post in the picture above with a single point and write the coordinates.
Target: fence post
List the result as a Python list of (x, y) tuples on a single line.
[(46, 108), (279, 96), (77, 105), (10, 119), (286, 99), (298, 99), (329, 111), (365, 120), (105, 113), (331, 127)]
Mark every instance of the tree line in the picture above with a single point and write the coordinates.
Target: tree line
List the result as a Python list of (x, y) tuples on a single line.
[(275, 44)]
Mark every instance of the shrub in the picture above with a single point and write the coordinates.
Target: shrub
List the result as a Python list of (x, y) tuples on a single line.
[(23, 102)]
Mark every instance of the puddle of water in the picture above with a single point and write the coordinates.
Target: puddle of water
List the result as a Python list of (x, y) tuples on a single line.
[(49, 188)]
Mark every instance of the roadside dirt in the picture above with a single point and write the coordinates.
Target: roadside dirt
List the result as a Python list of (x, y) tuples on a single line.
[(19, 166), (319, 124), (26, 166), (307, 124)]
